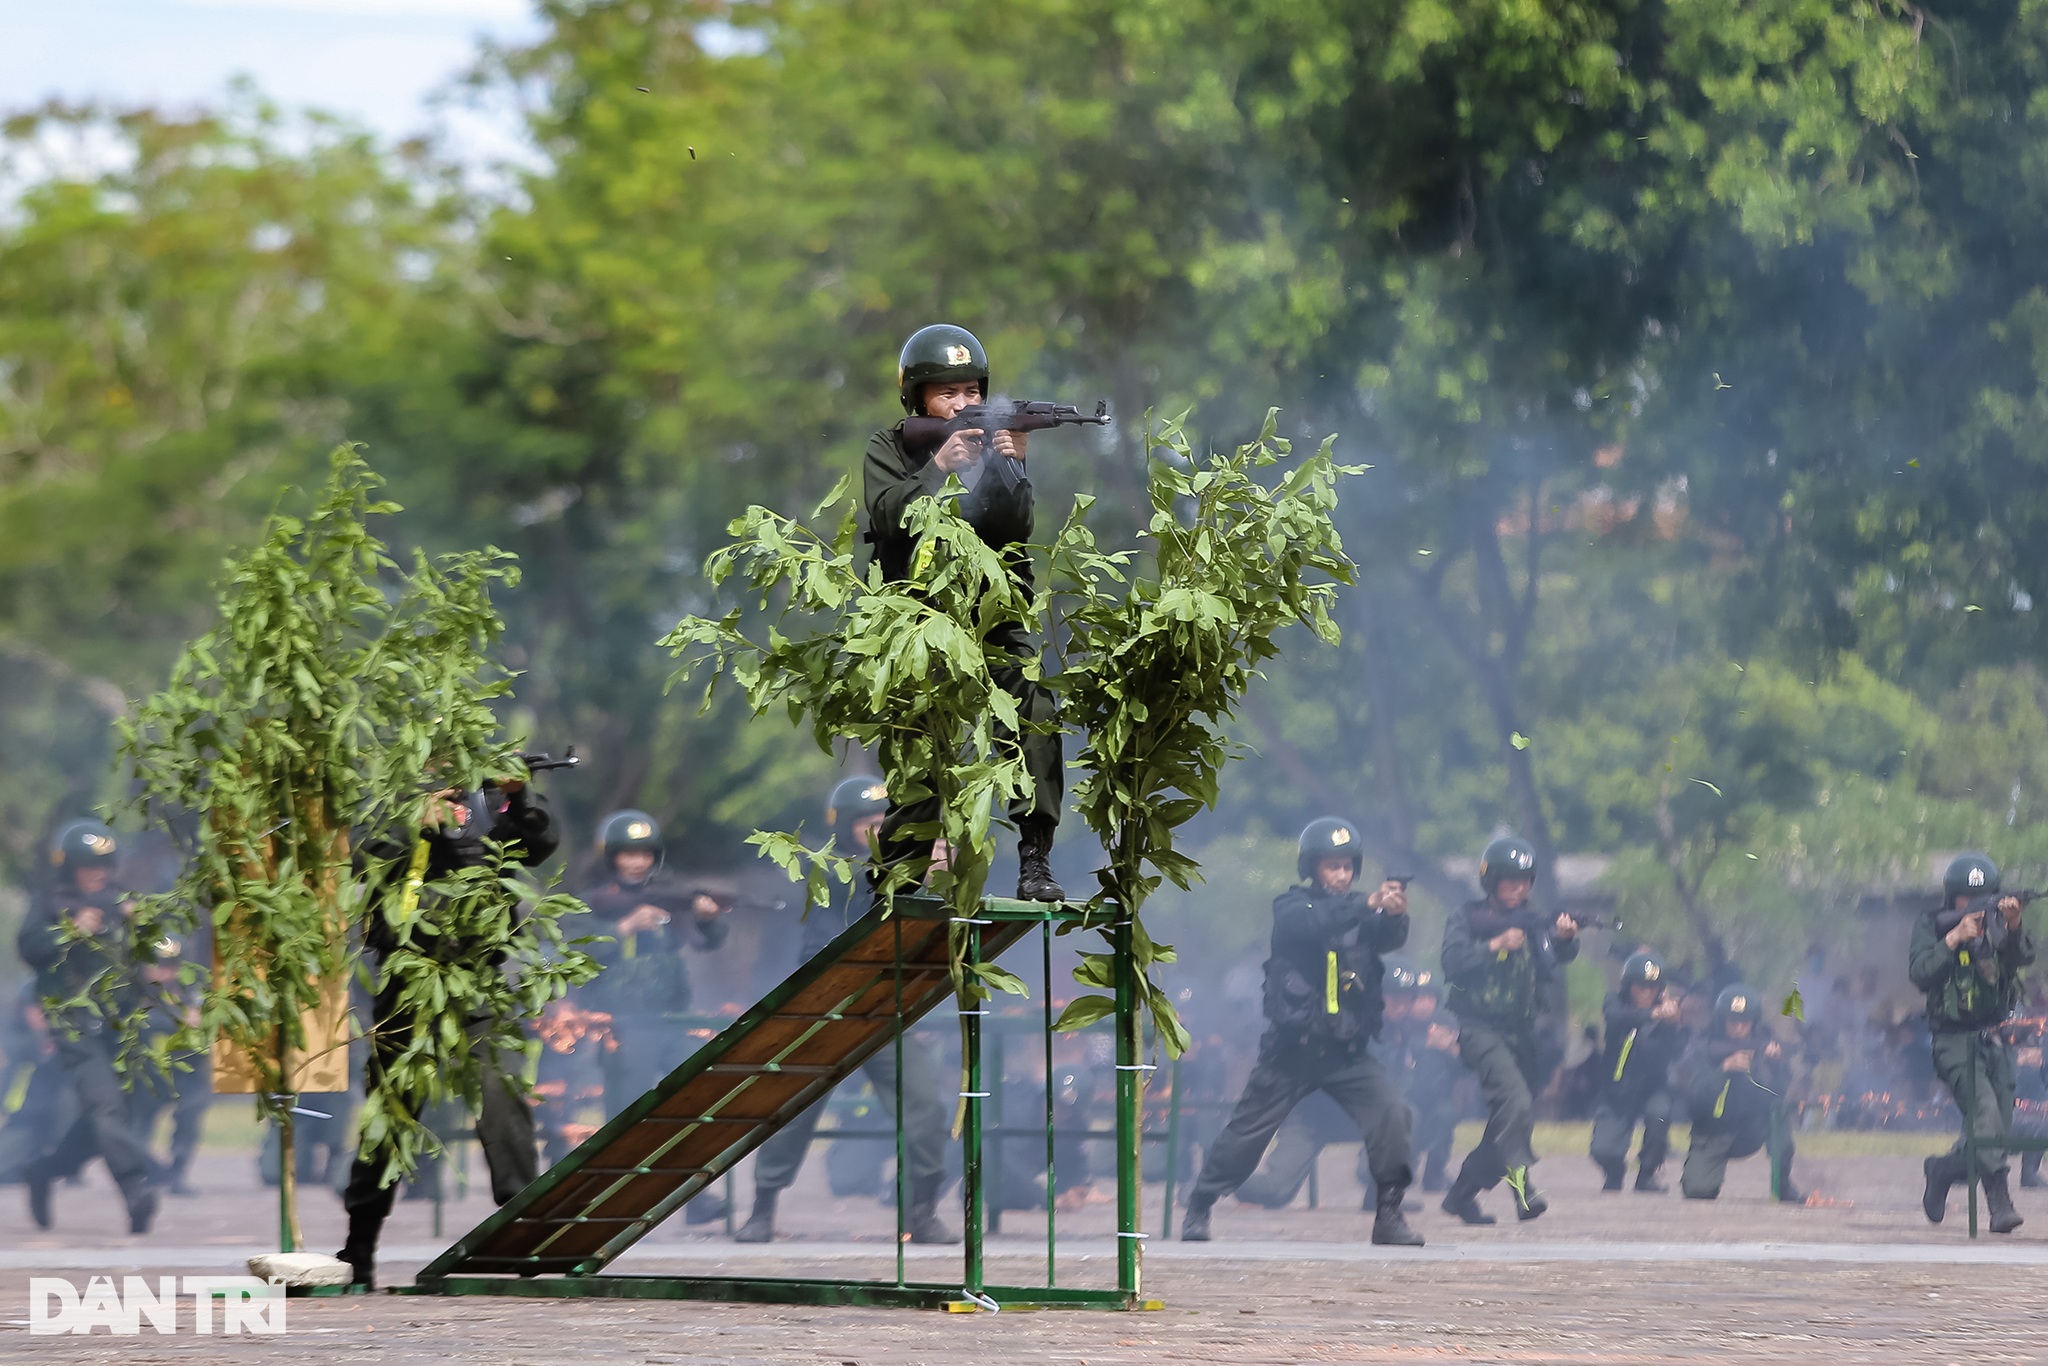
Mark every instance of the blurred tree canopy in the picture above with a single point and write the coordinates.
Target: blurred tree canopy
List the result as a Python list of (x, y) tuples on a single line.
[(1700, 349)]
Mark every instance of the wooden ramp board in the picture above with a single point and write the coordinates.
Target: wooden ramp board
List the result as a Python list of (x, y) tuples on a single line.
[(769, 1066)]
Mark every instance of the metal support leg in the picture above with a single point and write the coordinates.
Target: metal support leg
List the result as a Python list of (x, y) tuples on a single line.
[(1128, 1078), (1051, 1185), (974, 1195), (1172, 1149), (902, 1146), (1970, 1130)]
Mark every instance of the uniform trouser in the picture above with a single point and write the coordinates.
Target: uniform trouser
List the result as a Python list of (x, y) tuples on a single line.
[(777, 1161), (649, 1048), (47, 1110), (1714, 1144), (1278, 1083), (1614, 1124), (1436, 1125), (190, 1095), (1956, 1057), (1509, 1078), (104, 1124), (1287, 1164), (1042, 757), (504, 1128)]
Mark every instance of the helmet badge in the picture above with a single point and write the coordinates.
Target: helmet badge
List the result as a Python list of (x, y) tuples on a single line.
[(958, 355), (1976, 877), (638, 830), (1738, 1004), (1340, 836), (1651, 972)]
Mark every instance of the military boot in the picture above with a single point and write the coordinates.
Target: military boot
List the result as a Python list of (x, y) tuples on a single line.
[(38, 1184), (1034, 866), (360, 1252), (1998, 1204), (1194, 1225), (922, 1218), (1528, 1204), (1647, 1182), (1941, 1172), (1611, 1172), (1389, 1224), (1462, 1200), (760, 1225), (2030, 1170)]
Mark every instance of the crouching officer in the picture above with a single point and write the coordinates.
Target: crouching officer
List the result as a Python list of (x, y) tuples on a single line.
[(942, 370), (854, 814), (1737, 1079), (1643, 1040), (1499, 959), (1323, 1005), (456, 832), (75, 935), (1967, 956)]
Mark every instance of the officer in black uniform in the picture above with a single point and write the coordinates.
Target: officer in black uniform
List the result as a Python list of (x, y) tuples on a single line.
[(187, 1086), (1499, 959), (1323, 1005), (942, 370), (646, 917), (1736, 1081), (854, 814), (1434, 1076), (452, 836), (74, 935), (1643, 1040), (1968, 956)]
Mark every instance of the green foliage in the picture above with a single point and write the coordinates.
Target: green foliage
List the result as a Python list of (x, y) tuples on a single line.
[(1155, 661), (303, 733)]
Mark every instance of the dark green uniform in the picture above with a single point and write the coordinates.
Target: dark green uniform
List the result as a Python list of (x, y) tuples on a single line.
[(643, 981), (1635, 1085), (998, 506), (1324, 1005), (1497, 995), (1970, 991), (86, 1046), (1734, 1113)]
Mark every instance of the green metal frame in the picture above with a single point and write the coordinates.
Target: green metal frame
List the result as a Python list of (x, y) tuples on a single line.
[(2011, 1143), (816, 1029)]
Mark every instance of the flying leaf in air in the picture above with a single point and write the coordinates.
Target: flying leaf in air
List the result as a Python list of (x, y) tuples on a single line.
[(1707, 785), (1794, 1007), (1519, 740)]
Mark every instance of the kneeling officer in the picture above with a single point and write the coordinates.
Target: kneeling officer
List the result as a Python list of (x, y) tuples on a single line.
[(1736, 1082)]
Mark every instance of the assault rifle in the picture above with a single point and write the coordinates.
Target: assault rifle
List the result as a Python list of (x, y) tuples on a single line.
[(1993, 932), (924, 435), (541, 763)]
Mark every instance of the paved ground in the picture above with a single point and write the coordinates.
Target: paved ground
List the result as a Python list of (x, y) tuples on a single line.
[(1622, 1278)]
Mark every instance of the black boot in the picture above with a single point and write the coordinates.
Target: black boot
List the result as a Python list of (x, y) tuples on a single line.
[(1528, 1204), (360, 1251), (1194, 1225), (760, 1225), (1789, 1193), (39, 1199), (1433, 1174), (1998, 1204), (923, 1222), (1612, 1173), (1034, 870), (705, 1209), (1647, 1182), (1389, 1225), (2030, 1170), (1462, 1200), (1942, 1172)]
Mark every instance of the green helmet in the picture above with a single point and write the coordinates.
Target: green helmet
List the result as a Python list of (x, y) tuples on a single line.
[(623, 830), (939, 354), (82, 844), (1323, 837), (1738, 1003), (1642, 970), (1969, 875), (1504, 858), (853, 799)]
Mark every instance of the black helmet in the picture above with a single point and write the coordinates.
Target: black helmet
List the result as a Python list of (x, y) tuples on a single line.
[(1738, 1003), (1506, 857), (1326, 836), (82, 844), (853, 799), (939, 354), (1642, 970), (623, 830), (1969, 875)]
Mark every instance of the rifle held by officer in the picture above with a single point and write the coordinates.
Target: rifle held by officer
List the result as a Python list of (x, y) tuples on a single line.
[(924, 435)]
